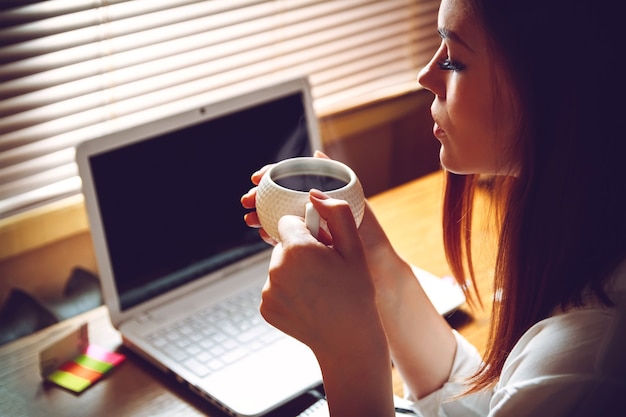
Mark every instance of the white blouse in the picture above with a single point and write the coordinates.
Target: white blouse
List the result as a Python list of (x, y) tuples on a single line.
[(571, 364)]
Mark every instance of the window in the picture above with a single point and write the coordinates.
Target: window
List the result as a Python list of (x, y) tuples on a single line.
[(71, 70)]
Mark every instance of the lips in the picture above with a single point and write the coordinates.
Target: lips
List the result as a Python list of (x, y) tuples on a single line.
[(438, 131)]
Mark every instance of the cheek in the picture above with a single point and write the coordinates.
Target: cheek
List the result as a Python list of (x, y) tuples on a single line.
[(472, 145), (475, 108)]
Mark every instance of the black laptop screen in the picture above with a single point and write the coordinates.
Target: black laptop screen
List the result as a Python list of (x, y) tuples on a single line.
[(170, 204)]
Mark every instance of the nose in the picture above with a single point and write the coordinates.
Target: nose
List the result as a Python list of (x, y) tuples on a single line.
[(432, 78)]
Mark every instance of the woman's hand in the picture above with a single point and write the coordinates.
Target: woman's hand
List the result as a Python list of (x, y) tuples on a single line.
[(248, 201), (378, 250), (324, 296), (315, 291)]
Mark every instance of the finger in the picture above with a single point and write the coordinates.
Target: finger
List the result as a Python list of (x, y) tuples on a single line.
[(340, 222), (269, 306), (324, 237), (256, 176), (292, 231), (252, 220), (248, 200), (320, 154), (267, 238)]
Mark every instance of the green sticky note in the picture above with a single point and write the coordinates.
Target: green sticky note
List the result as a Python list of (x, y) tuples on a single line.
[(69, 381), (93, 364)]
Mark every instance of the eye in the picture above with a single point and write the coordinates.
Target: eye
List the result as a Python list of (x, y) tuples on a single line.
[(450, 65)]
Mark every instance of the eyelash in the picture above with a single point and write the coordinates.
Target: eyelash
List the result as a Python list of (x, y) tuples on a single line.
[(449, 65)]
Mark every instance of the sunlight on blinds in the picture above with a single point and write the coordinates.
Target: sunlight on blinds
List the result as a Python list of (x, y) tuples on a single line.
[(71, 70)]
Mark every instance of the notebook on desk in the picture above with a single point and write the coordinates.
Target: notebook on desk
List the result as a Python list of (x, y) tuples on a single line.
[(181, 273)]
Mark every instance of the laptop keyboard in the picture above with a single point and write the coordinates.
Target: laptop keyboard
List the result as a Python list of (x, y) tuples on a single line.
[(318, 409), (217, 336)]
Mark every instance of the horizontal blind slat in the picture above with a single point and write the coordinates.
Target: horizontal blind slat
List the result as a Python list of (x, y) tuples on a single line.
[(40, 11), (48, 193), (35, 181), (33, 166)]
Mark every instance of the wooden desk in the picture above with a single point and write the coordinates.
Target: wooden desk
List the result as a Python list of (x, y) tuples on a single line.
[(411, 215)]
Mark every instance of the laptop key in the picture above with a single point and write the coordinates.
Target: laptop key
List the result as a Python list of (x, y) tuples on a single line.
[(233, 355), (204, 357), (252, 333), (193, 350), (159, 341), (174, 352), (215, 364), (196, 367), (228, 327)]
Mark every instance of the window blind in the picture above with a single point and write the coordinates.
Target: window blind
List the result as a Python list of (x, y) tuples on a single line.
[(71, 70)]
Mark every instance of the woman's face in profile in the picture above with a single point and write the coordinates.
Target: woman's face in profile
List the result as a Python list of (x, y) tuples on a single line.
[(475, 108)]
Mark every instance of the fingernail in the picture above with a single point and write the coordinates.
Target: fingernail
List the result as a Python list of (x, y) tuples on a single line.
[(318, 194)]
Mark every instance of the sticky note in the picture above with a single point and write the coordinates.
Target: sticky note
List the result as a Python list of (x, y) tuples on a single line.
[(81, 372), (96, 352), (69, 381), (85, 369)]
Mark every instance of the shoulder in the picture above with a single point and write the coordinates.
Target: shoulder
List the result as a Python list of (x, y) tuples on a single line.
[(580, 341), (563, 344), (568, 362)]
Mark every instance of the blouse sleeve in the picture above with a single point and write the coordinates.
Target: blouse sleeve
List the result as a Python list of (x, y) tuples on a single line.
[(442, 403), (570, 364)]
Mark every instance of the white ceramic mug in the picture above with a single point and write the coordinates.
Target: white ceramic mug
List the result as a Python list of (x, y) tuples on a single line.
[(284, 189)]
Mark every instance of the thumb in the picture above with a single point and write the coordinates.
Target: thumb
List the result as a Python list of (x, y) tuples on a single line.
[(340, 222), (320, 154)]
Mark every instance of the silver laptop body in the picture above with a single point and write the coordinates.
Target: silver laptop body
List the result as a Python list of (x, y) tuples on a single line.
[(175, 256)]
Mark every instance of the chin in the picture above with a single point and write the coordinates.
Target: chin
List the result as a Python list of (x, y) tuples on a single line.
[(460, 166), (457, 171), (451, 165)]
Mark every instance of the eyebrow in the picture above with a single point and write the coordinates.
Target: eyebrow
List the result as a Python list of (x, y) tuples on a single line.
[(453, 36)]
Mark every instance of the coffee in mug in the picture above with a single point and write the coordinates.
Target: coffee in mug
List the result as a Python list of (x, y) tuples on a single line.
[(284, 189), (306, 182)]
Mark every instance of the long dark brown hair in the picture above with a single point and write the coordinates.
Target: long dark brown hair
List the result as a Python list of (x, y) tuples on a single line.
[(563, 224)]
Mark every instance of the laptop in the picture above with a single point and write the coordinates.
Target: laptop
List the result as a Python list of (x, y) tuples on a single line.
[(174, 253), (181, 273)]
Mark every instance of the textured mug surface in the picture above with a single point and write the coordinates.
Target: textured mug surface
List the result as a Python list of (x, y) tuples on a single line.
[(273, 201)]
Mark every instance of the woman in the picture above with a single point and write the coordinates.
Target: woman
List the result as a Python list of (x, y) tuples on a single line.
[(526, 92)]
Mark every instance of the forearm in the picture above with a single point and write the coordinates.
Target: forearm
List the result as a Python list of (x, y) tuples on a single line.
[(422, 348), (357, 380), (421, 342)]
